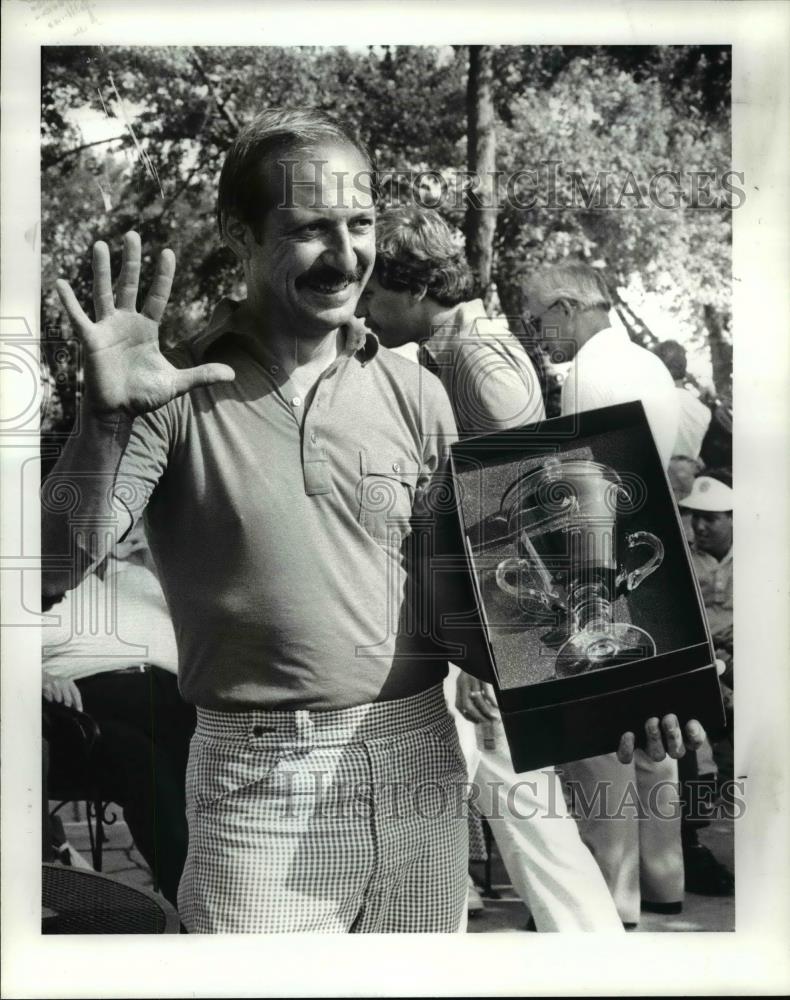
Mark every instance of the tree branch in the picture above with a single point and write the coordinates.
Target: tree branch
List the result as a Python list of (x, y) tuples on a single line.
[(637, 329), (78, 149), (225, 111)]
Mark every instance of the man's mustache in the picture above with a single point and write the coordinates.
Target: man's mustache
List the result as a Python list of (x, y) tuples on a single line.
[(329, 275)]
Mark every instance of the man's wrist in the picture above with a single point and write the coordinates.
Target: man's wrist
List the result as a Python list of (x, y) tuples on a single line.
[(110, 418), (113, 424)]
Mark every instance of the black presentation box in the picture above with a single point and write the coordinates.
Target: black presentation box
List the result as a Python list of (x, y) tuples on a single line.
[(580, 603)]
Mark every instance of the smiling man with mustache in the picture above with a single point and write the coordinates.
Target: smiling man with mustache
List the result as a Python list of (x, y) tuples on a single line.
[(279, 477), (283, 478)]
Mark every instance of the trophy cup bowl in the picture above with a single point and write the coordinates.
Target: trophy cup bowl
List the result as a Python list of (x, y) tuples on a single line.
[(563, 520)]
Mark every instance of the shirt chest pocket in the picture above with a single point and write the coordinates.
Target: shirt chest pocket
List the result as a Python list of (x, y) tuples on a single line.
[(385, 495)]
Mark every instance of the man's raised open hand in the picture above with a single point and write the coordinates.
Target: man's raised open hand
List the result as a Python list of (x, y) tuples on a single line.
[(125, 372)]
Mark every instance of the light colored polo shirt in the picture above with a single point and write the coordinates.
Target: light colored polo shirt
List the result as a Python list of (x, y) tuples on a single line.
[(611, 369), (485, 371), (715, 584), (281, 527)]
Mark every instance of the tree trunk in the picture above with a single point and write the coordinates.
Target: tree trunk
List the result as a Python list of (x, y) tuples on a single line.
[(720, 351), (481, 209)]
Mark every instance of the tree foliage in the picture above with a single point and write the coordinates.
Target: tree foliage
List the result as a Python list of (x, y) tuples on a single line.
[(617, 110)]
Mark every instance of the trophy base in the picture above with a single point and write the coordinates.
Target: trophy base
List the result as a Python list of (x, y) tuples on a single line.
[(597, 648), (556, 637)]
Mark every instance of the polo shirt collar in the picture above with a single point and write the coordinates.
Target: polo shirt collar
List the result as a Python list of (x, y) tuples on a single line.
[(727, 558), (359, 341), (711, 558)]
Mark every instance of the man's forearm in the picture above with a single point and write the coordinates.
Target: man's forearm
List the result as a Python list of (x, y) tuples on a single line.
[(79, 519)]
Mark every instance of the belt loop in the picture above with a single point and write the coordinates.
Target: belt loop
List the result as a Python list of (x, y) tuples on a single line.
[(305, 730)]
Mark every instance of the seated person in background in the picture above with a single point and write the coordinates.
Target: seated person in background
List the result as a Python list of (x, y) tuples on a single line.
[(113, 655)]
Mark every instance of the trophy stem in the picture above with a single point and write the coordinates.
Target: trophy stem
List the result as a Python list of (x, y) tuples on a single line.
[(590, 607), (597, 641)]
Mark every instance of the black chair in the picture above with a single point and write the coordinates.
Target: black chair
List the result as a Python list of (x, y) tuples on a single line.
[(75, 736), (76, 901)]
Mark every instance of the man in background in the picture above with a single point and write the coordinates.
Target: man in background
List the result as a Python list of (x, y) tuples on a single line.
[(694, 417), (710, 504), (569, 303), (420, 294)]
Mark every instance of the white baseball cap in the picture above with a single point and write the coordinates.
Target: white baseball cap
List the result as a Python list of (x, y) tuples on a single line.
[(708, 494)]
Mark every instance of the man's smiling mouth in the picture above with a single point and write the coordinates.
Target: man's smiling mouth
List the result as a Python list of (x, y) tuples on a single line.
[(327, 281), (329, 287)]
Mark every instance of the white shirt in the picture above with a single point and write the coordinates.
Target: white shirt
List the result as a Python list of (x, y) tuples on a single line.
[(108, 624), (694, 422), (611, 369)]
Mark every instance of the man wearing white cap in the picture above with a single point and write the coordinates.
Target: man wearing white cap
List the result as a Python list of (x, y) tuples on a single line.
[(710, 505)]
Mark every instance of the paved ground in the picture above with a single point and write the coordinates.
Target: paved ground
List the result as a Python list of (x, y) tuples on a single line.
[(700, 913), (501, 915)]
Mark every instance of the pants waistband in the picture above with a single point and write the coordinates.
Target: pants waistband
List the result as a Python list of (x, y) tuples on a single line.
[(335, 727)]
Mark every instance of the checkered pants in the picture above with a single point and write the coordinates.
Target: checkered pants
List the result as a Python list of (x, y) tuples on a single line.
[(344, 821)]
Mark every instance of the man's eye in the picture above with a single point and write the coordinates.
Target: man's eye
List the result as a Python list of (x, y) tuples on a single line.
[(362, 225), (312, 228)]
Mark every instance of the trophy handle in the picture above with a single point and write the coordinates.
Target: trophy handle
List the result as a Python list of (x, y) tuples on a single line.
[(633, 578), (547, 600)]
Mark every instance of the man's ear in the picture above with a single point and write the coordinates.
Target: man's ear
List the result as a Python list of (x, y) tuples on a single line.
[(419, 295), (239, 237), (566, 305)]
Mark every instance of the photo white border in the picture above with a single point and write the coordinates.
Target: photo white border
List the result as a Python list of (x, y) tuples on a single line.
[(754, 958)]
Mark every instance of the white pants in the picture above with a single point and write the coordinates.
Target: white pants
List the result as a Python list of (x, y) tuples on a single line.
[(550, 867), (636, 839)]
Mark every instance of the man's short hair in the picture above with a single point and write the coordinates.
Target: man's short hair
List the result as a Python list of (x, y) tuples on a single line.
[(416, 250), (244, 191), (574, 281), (722, 473), (674, 357)]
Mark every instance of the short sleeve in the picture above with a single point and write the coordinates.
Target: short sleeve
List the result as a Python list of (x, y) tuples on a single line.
[(437, 426), (144, 460), (489, 378)]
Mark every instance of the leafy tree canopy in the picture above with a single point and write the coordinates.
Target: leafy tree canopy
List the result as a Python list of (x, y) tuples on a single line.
[(622, 112)]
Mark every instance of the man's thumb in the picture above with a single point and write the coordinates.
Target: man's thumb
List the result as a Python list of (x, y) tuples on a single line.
[(195, 378)]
